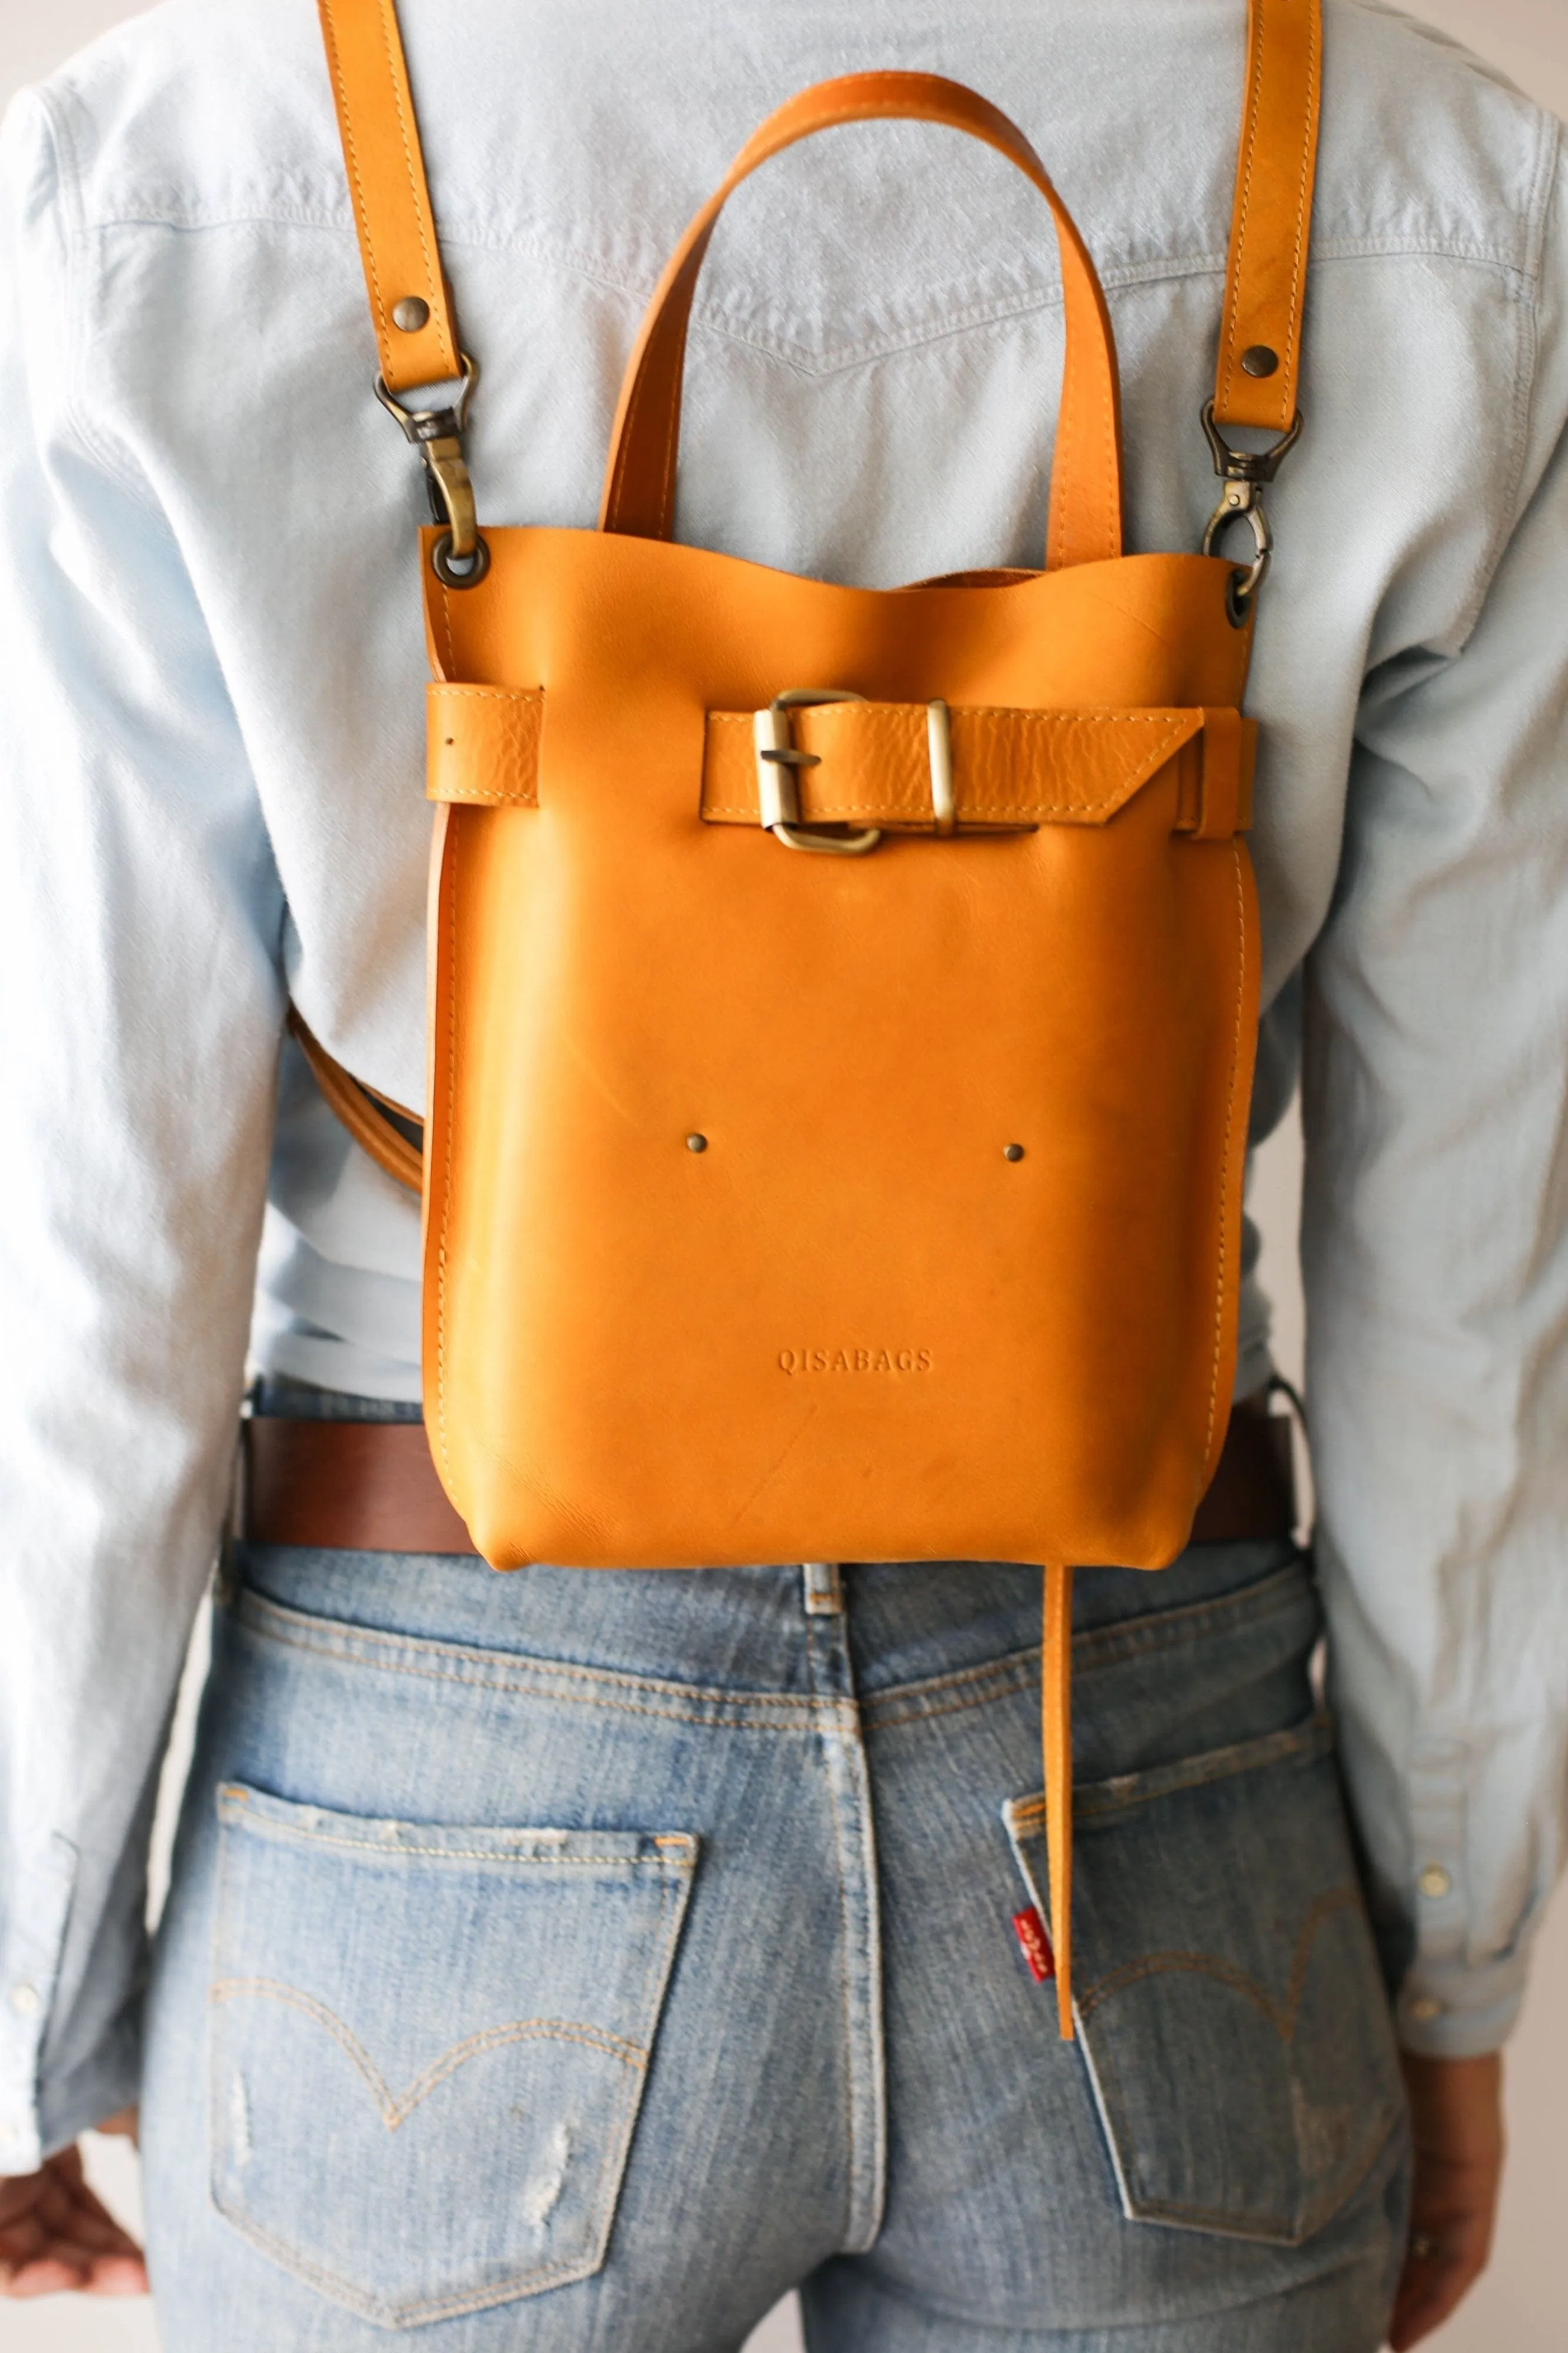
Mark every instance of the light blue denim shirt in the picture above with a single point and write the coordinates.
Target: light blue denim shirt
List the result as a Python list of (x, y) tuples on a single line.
[(212, 792)]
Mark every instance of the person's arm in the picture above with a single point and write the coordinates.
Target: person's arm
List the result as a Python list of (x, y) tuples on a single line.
[(1435, 1242), (1457, 2138), (141, 1007)]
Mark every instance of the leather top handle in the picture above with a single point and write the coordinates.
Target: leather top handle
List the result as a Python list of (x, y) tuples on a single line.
[(1256, 379), (1085, 524)]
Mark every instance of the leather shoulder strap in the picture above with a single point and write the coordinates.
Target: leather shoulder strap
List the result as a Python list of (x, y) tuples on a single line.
[(1260, 340), (410, 301), (393, 1135)]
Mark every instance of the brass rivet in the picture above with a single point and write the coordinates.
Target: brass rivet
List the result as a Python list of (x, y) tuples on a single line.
[(1012, 1152), (1258, 359), (411, 314), (1434, 1881), (697, 1144)]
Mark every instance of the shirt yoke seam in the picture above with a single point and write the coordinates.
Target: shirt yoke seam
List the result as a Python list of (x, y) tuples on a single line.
[(1520, 276), (472, 236)]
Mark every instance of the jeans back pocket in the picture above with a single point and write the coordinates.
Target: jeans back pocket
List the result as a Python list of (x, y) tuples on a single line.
[(1230, 2008), (428, 2047)]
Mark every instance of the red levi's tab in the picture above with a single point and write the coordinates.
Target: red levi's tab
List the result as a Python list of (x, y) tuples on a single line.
[(1035, 1945)]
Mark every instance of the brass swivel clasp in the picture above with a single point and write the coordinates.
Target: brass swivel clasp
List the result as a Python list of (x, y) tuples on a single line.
[(1246, 473), (459, 556)]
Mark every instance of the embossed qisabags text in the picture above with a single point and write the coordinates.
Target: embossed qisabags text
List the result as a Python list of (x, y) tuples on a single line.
[(796, 1361)]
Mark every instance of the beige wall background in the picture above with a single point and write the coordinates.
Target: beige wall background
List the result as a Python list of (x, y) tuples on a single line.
[(1522, 2306)]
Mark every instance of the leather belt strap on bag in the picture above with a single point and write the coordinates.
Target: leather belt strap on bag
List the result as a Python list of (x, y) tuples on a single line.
[(993, 782), (916, 767), (1003, 770)]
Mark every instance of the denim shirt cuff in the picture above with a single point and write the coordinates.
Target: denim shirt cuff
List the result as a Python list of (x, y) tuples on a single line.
[(29, 1967), (109, 2080), (1459, 2012)]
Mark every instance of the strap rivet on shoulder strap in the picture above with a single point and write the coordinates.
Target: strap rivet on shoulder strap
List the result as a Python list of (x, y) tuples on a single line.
[(1259, 369), (416, 332)]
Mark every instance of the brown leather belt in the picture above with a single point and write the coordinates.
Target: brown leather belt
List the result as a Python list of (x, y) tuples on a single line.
[(371, 1486)]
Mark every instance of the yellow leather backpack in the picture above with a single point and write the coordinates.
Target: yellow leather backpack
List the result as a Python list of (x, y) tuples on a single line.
[(842, 1002)]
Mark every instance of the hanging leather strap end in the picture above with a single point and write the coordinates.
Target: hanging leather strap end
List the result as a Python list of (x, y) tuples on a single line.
[(1055, 1738)]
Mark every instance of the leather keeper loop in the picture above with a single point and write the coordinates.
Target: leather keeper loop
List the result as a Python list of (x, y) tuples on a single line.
[(1216, 802), (483, 745)]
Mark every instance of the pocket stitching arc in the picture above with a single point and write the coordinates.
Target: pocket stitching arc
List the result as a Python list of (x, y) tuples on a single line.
[(1281, 2016), (676, 1875), (396, 2112)]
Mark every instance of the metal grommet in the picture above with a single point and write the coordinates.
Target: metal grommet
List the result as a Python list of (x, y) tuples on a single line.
[(1259, 359), (411, 314), (447, 571), (695, 1143), (1012, 1152)]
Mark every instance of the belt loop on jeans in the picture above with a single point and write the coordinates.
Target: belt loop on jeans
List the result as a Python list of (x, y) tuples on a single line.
[(823, 1589)]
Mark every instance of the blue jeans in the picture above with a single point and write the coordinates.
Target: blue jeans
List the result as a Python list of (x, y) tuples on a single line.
[(568, 1961)]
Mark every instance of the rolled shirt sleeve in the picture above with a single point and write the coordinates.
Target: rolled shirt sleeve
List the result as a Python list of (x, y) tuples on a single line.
[(140, 1012), (1435, 1244)]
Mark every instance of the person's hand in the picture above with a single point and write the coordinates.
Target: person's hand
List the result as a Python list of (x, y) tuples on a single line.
[(54, 2234), (1455, 2118)]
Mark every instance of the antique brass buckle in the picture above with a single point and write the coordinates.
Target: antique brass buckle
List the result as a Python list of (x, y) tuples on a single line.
[(778, 796)]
